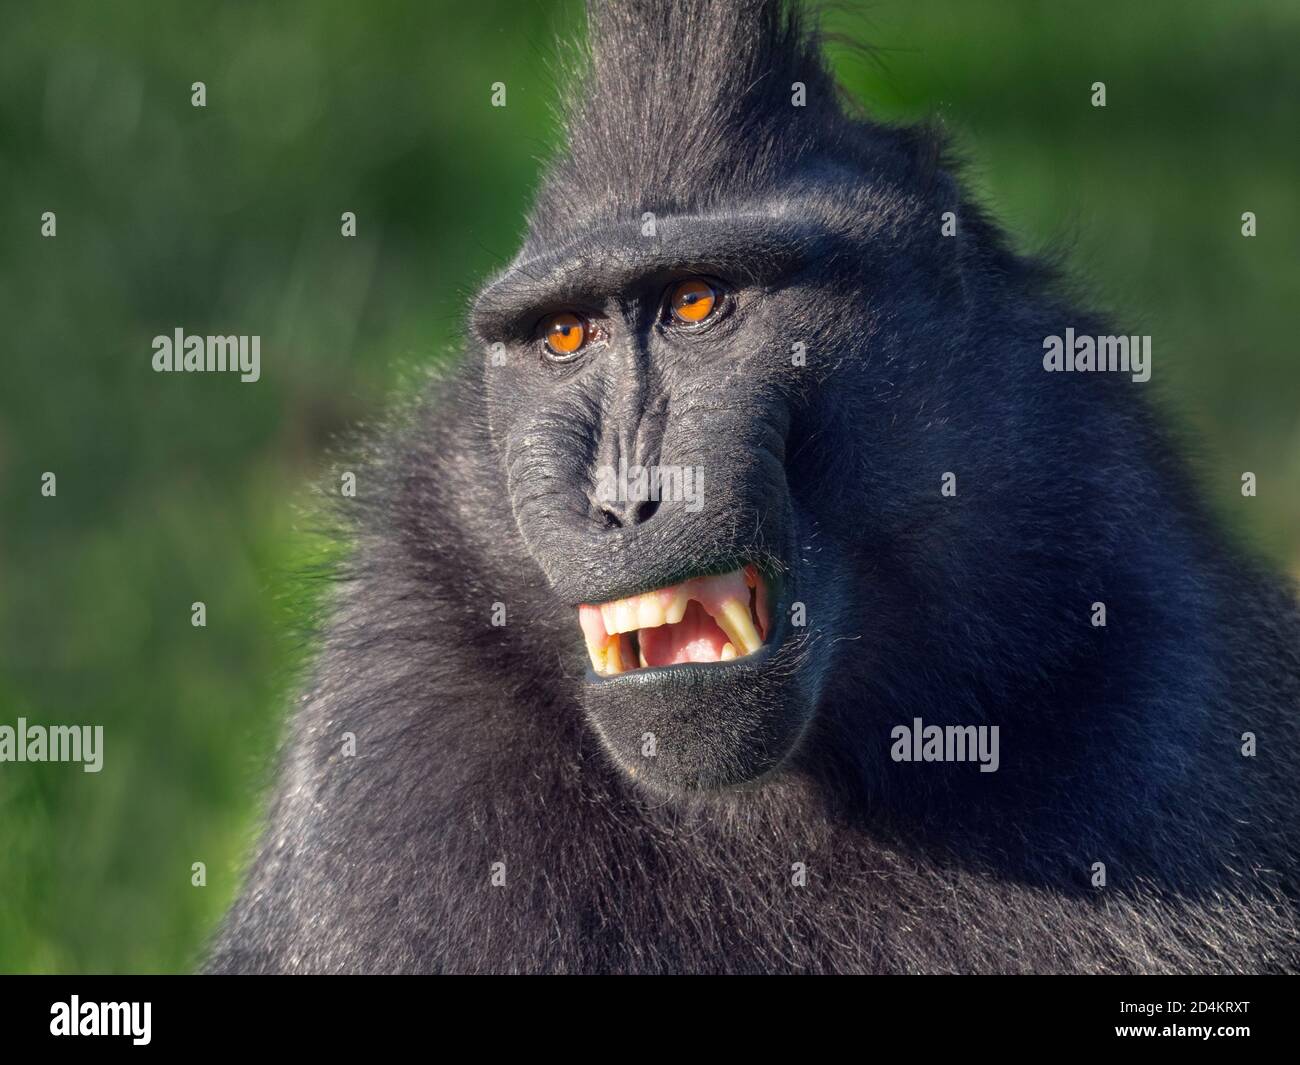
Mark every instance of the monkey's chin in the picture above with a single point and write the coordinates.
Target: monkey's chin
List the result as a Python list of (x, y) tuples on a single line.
[(700, 727)]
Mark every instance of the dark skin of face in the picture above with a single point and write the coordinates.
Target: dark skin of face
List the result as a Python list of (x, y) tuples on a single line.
[(648, 389)]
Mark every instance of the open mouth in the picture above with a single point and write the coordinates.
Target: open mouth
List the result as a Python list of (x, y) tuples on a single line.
[(704, 619)]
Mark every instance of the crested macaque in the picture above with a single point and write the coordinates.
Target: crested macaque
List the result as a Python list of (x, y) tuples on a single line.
[(601, 729)]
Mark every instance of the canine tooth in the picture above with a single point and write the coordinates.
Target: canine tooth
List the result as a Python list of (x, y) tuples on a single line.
[(644, 663), (763, 609), (735, 621), (613, 664), (649, 612), (593, 633), (728, 652)]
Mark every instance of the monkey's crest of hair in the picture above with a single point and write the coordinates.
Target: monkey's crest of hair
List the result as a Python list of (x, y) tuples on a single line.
[(687, 106), (500, 812)]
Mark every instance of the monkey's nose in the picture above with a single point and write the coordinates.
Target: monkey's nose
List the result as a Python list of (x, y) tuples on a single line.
[(616, 514)]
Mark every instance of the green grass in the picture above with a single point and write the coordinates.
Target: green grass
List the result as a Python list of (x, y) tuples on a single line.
[(226, 219)]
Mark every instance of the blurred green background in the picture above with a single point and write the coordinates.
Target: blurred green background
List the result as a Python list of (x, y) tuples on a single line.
[(173, 489)]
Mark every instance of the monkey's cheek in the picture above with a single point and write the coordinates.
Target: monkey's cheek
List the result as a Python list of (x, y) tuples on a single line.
[(699, 728)]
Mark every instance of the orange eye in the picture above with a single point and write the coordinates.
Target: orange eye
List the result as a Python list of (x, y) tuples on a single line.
[(565, 334), (692, 301)]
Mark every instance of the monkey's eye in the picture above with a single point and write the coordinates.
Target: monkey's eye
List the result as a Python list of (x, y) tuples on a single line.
[(565, 335), (692, 301)]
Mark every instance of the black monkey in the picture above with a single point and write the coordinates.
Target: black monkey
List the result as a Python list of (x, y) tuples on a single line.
[(873, 505)]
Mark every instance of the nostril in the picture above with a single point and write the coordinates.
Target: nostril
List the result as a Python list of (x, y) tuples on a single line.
[(646, 510), (623, 514)]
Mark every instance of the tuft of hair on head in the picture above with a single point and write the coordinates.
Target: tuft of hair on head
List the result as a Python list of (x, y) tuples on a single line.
[(685, 103)]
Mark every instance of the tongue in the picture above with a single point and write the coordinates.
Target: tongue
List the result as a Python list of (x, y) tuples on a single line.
[(696, 638)]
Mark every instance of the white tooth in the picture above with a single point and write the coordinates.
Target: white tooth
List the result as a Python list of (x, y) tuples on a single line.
[(649, 614), (728, 652), (593, 634), (644, 663), (607, 616), (677, 610), (624, 616), (735, 621)]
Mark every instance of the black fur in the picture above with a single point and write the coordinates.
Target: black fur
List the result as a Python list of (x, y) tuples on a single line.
[(479, 744)]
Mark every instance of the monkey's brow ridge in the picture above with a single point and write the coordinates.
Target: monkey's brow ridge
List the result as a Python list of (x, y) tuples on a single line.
[(747, 248)]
